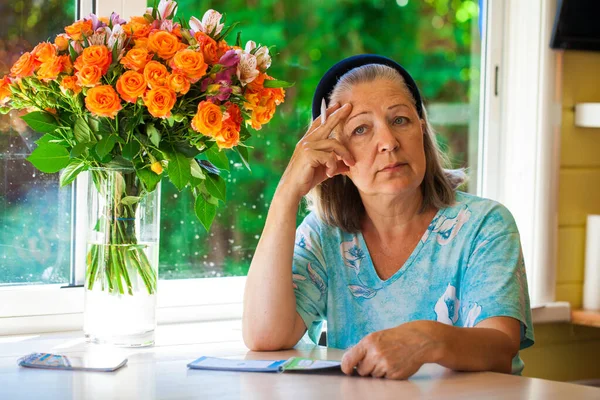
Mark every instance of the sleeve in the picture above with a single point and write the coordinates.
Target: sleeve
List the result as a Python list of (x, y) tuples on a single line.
[(494, 283), (310, 276)]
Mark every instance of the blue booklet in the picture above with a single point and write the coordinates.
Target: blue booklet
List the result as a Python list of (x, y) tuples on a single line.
[(291, 364)]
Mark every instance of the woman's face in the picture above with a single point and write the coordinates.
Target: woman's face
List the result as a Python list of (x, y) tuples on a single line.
[(385, 136)]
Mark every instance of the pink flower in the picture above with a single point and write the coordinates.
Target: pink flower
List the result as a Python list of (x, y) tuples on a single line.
[(263, 59), (166, 9), (210, 21), (229, 59), (246, 69)]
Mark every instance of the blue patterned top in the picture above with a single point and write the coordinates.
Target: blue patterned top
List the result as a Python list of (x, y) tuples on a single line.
[(467, 267)]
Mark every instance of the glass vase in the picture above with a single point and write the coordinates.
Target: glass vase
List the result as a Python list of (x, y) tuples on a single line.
[(122, 259)]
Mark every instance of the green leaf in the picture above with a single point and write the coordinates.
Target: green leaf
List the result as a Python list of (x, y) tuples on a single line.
[(105, 145), (49, 158), (205, 212), (41, 121), (217, 158), (70, 172), (130, 150), (244, 133), (215, 185), (73, 53), (153, 134), (148, 178), (227, 31), (238, 39), (46, 139), (82, 131), (179, 170), (130, 200), (274, 84), (242, 151), (79, 149), (196, 170)]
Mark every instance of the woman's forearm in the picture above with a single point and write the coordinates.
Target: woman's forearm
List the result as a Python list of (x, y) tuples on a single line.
[(472, 349), (269, 300)]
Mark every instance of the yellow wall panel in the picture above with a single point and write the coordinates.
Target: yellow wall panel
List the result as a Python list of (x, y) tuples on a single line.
[(579, 195), (571, 292), (580, 78), (571, 255), (580, 147)]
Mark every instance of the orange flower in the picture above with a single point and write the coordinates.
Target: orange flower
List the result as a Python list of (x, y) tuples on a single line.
[(131, 85), (156, 167), (89, 76), (4, 89), (222, 48), (178, 83), (80, 28), (260, 116), (137, 27), (24, 66), (44, 52), (164, 44), (70, 83), (62, 42), (209, 47), (136, 59), (160, 101), (141, 43), (233, 115), (208, 120), (190, 63), (98, 55), (103, 101), (228, 136), (50, 69), (67, 65), (262, 101), (156, 74)]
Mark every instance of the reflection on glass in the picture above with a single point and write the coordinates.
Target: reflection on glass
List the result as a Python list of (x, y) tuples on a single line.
[(35, 218), (438, 41)]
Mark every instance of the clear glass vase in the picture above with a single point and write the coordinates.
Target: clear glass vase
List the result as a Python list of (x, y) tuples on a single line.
[(122, 259)]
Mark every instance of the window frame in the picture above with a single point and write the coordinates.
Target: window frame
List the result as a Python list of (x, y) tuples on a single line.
[(43, 308)]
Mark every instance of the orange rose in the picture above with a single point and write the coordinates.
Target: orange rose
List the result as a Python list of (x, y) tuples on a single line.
[(67, 65), (62, 42), (80, 28), (98, 55), (228, 136), (136, 59), (178, 83), (44, 51), (160, 101), (190, 63), (209, 47), (4, 89), (89, 76), (141, 43), (24, 66), (222, 48), (70, 83), (50, 69), (164, 44), (260, 116), (103, 101), (208, 120), (233, 115), (137, 27), (156, 74), (131, 85)]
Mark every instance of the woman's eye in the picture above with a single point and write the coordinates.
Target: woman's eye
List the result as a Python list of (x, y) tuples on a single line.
[(400, 120), (359, 131)]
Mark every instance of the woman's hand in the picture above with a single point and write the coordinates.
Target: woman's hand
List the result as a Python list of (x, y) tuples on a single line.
[(317, 155), (395, 353)]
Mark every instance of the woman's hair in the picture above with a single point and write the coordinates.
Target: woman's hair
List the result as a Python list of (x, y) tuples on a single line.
[(337, 201)]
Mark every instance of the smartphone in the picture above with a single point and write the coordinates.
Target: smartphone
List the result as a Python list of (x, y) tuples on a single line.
[(83, 362)]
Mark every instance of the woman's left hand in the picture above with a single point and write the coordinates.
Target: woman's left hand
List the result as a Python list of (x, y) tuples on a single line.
[(395, 353)]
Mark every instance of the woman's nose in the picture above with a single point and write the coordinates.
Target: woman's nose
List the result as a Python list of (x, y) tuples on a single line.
[(386, 141)]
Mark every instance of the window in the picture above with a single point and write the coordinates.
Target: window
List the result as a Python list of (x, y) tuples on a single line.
[(35, 215)]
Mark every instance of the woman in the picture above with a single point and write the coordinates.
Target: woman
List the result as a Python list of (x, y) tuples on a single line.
[(400, 264)]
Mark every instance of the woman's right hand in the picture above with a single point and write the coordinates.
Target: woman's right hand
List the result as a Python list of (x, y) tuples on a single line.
[(317, 156)]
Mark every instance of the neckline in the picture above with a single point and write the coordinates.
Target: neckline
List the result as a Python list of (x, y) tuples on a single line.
[(409, 261)]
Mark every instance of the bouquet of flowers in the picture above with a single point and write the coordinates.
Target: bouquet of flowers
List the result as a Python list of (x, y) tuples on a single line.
[(149, 95)]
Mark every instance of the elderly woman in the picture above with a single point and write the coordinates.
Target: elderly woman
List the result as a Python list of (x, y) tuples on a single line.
[(404, 268)]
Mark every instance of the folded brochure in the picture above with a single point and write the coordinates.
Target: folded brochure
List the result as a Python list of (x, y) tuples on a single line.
[(292, 364)]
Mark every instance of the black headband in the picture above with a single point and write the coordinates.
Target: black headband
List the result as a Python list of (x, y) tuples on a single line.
[(331, 77)]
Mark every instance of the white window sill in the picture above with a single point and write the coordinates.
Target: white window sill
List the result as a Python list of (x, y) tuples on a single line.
[(559, 311)]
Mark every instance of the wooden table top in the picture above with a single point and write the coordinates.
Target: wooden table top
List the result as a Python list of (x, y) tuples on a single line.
[(160, 372)]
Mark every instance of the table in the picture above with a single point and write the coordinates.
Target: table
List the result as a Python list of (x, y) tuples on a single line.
[(160, 372)]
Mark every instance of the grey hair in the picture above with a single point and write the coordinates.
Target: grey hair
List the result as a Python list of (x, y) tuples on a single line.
[(337, 202)]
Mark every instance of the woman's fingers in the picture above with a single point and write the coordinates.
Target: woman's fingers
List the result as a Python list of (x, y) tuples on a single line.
[(333, 120), (332, 145), (317, 121)]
